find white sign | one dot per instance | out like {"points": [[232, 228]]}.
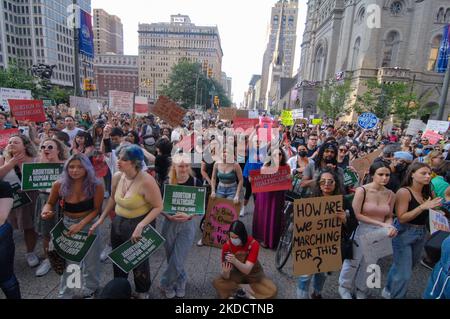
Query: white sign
{"points": [[415, 126], [82, 104], [13, 94], [253, 115], [376, 245], [438, 126], [438, 221], [297, 114], [121, 102]]}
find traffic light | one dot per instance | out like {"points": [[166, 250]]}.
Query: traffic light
{"points": [[88, 85], [210, 72], [205, 66], [216, 100]]}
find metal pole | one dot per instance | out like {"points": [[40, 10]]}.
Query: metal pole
{"points": [[444, 93], [76, 42], [196, 91]]}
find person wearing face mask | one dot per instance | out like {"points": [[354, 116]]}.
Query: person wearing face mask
{"points": [[351, 136], [399, 166], [298, 165], [241, 268]]}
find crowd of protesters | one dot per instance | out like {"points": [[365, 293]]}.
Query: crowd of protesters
{"points": [[116, 166]]}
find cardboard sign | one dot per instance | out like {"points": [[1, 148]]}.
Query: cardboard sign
{"points": [[129, 255], [415, 126], [121, 102], [28, 110], [13, 94], [243, 114], [227, 113], [244, 124], [219, 217], [5, 135], [317, 235], [437, 126], [141, 106], [438, 222], [73, 248], [279, 181], [169, 111], [184, 199], [40, 176], [20, 198], [362, 165], [432, 136]]}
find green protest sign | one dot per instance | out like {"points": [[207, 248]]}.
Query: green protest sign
{"points": [[184, 199], [129, 255], [48, 103], [20, 198], [73, 248], [350, 178], [39, 176]]}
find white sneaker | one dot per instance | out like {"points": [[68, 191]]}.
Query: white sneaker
{"points": [[169, 293], [105, 253], [345, 293], [386, 294], [180, 292], [32, 259], [44, 268], [242, 214], [200, 242], [360, 295], [302, 294]]}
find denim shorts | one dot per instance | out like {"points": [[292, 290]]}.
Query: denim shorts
{"points": [[228, 192]]}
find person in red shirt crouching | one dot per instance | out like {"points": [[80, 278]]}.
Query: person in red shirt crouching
{"points": [[241, 270]]}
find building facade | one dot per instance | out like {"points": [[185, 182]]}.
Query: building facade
{"points": [[37, 31], [108, 33], [388, 40], [163, 45], [116, 73], [251, 97], [227, 83], [278, 60]]}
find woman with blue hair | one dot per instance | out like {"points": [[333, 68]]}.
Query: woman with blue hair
{"points": [[137, 202], [81, 196]]}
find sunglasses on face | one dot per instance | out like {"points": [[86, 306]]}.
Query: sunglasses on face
{"points": [[326, 182], [48, 147], [343, 150]]}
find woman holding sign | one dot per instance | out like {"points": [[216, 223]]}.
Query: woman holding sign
{"points": [[52, 151], [80, 195], [373, 205], [21, 150], [328, 185], [179, 232], [136, 200], [414, 200]]}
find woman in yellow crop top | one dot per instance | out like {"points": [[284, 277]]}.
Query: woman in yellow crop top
{"points": [[137, 202]]}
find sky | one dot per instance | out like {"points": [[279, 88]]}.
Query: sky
{"points": [[242, 24]]}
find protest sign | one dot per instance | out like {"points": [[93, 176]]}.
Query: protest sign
{"points": [[121, 102], [73, 248], [287, 118], [82, 104], [437, 126], [227, 113], [367, 121], [20, 198], [415, 126], [281, 180], [246, 125], [220, 215], [362, 165], [141, 106], [376, 245], [129, 255], [317, 235], [243, 114], [28, 110], [13, 94], [184, 199], [297, 114], [432, 136], [350, 178], [438, 222], [48, 103], [316, 122], [5, 135], [169, 111], [40, 176], [253, 115]]}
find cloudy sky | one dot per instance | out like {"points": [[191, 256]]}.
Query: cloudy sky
{"points": [[242, 24]]}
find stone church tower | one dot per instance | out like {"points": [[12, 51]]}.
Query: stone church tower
{"points": [[391, 40]]}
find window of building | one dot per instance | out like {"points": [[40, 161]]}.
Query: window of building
{"points": [[356, 53], [440, 16], [391, 48], [396, 8], [320, 64], [434, 53]]}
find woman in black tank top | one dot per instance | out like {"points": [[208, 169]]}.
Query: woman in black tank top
{"points": [[413, 202]]}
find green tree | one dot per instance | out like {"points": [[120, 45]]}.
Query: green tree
{"points": [[333, 98], [188, 84]]}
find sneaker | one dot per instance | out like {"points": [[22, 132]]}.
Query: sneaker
{"points": [[345, 293], [427, 264], [360, 295], [200, 242], [302, 294], [242, 214], [168, 292], [105, 253], [386, 294], [44, 268], [32, 259], [180, 290]]}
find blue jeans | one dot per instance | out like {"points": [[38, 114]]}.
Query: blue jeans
{"points": [[8, 281], [318, 283], [226, 192], [179, 238], [408, 246]]}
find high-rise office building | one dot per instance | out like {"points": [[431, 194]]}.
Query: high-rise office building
{"points": [[163, 45], [108, 33], [33, 32]]}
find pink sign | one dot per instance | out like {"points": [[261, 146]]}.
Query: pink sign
{"points": [[5, 136], [432, 136]]}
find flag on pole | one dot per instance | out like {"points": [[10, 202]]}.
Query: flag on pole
{"points": [[444, 51], [86, 35]]}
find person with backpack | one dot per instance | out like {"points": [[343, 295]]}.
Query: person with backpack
{"points": [[150, 133], [373, 205], [439, 283]]}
